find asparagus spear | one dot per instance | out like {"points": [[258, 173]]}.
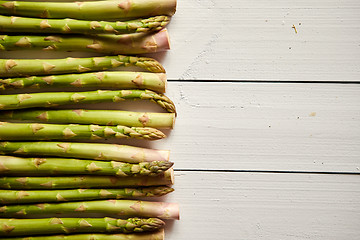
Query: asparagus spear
{"points": [[119, 80], [43, 226], [103, 117], [124, 44], [95, 10], [158, 235], [38, 25], [105, 208], [39, 131], [38, 183], [16, 166], [51, 99], [28, 67], [36, 196], [96, 151]]}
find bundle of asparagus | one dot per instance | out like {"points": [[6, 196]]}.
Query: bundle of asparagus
{"points": [[76, 190]]}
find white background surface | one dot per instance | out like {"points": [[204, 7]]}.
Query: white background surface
{"points": [[277, 156]]}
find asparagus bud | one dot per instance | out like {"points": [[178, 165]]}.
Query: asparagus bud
{"points": [[96, 151], [16, 166], [66, 26], [50, 99], [36, 131], [119, 80], [89, 10], [159, 235]]}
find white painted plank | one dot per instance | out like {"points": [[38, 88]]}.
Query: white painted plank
{"points": [[287, 127], [254, 40], [236, 206], [262, 126]]}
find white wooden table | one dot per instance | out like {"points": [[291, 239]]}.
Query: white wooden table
{"points": [[267, 140]]}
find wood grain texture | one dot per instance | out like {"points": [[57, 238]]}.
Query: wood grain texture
{"points": [[265, 126], [254, 40], [236, 206]]}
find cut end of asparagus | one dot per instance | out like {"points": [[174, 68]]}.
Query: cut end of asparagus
{"points": [[175, 211], [162, 40], [169, 174], [165, 154], [174, 119], [171, 211]]}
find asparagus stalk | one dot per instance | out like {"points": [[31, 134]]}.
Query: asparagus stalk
{"points": [[36, 196], [39, 131], [16, 166], [66, 26], [43, 226], [28, 67], [95, 10], [105, 208], [103, 117], [124, 44], [159, 235], [51, 99], [119, 80], [68, 182], [96, 151]]}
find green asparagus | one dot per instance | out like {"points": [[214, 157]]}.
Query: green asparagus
{"points": [[51, 99], [38, 25], [103, 117], [64, 182], [29, 67], [105, 208], [158, 235], [40, 131], [120, 80], [96, 151], [43, 226], [16, 166], [124, 44], [36, 196], [91, 10]]}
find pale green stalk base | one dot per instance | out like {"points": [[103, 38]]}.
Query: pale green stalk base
{"points": [[111, 45], [30, 67], [105, 208], [102, 117]]}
